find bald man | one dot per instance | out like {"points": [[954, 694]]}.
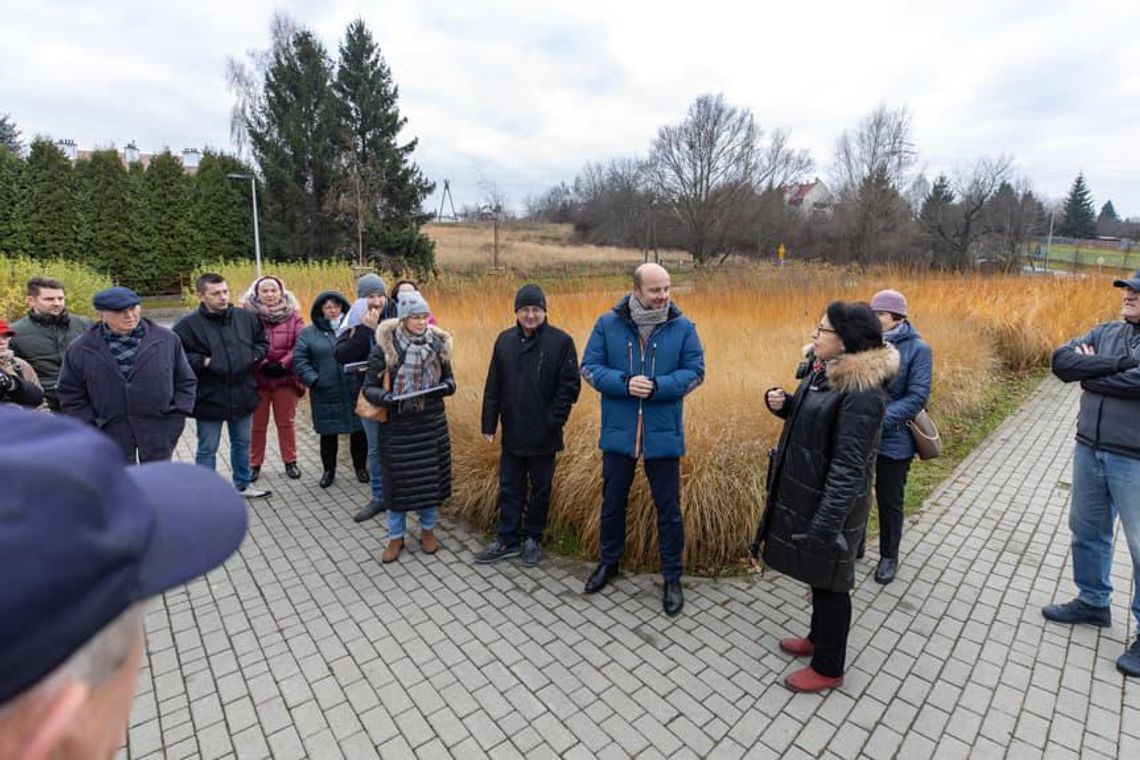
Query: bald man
{"points": [[644, 357]]}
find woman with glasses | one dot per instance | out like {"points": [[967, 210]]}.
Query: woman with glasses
{"points": [[820, 480], [409, 372], [910, 390]]}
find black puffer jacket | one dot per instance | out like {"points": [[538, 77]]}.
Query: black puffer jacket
{"points": [[820, 490], [234, 341], [415, 448], [532, 383]]}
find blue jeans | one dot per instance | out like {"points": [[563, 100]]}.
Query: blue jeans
{"points": [[398, 521], [1104, 486], [241, 437], [372, 433]]}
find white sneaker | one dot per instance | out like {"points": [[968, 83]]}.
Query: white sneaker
{"points": [[250, 492]]}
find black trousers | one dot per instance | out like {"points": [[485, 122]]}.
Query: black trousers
{"points": [[357, 446], [664, 477], [890, 494], [830, 623], [515, 475]]}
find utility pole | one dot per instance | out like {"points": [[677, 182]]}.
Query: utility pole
{"points": [[1049, 241], [256, 234]]}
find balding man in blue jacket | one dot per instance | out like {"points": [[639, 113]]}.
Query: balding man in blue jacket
{"points": [[644, 357]]}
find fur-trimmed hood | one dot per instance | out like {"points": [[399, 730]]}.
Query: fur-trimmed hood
{"points": [[863, 371], [386, 339]]}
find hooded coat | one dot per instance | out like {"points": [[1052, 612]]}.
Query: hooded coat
{"points": [[332, 399], [414, 445], [145, 409], [672, 358], [819, 489]]}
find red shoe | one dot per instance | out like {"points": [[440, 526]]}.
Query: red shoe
{"points": [[808, 680], [798, 647]]}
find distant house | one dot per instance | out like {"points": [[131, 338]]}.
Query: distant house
{"points": [[811, 198], [130, 155]]}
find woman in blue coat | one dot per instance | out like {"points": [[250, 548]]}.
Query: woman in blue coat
{"points": [[332, 400], [909, 392]]}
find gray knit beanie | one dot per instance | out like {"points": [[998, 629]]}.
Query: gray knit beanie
{"points": [[410, 304], [369, 284]]}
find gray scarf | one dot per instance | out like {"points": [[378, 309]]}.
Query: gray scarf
{"points": [[421, 368], [646, 319]]}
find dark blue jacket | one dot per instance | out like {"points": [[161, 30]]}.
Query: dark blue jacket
{"points": [[1109, 417], [333, 398], [145, 409], [672, 358], [910, 392]]}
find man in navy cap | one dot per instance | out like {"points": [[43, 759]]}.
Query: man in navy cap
{"points": [[1106, 465], [71, 620], [130, 378]]}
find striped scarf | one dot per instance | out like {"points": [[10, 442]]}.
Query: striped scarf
{"points": [[124, 347], [421, 368]]}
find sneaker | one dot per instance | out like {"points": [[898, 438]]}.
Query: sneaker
{"points": [[1077, 611], [1129, 662], [531, 553], [250, 492], [495, 552]]}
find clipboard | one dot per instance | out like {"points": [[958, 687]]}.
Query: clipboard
{"points": [[417, 394]]}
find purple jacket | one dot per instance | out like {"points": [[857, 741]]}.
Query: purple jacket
{"points": [[145, 409]]}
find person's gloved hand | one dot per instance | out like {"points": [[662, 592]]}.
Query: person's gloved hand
{"points": [[274, 369], [7, 382]]}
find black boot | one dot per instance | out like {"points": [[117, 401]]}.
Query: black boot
{"points": [[885, 572], [673, 599], [368, 511], [362, 475], [600, 577], [254, 473], [292, 470], [328, 478]]}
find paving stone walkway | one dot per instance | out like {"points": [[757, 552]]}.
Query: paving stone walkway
{"points": [[304, 645]]}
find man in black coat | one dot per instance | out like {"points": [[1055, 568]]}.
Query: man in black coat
{"points": [[531, 385], [223, 344], [128, 377]]}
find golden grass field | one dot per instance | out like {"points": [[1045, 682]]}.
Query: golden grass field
{"points": [[752, 319], [753, 322]]}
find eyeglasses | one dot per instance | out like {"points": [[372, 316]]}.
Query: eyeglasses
{"points": [[820, 330]]}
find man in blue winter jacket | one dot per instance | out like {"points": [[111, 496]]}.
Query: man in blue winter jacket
{"points": [[644, 357], [1106, 465]]}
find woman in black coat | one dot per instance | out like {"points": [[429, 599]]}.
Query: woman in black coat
{"points": [[820, 480], [331, 399], [415, 449]]}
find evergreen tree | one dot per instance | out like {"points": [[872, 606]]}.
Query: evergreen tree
{"points": [[171, 257], [1108, 213], [937, 219], [104, 216], [221, 223], [140, 229], [13, 241], [9, 135], [48, 207], [1079, 212], [294, 138], [380, 196]]}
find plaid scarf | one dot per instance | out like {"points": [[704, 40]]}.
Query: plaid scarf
{"points": [[124, 347], [645, 318], [421, 367]]}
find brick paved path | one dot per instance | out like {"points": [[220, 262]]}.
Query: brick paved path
{"points": [[303, 645]]}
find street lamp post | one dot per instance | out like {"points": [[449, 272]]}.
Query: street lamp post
{"points": [[256, 234]]}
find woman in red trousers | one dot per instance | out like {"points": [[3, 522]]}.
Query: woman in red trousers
{"points": [[278, 386]]}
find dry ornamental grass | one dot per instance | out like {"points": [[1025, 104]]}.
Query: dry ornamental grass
{"points": [[752, 322]]}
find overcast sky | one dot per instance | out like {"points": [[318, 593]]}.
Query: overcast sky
{"points": [[521, 93]]}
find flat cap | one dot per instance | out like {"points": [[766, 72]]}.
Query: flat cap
{"points": [[116, 298]]}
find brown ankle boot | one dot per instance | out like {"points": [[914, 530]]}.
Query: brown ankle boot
{"points": [[428, 542], [392, 550]]}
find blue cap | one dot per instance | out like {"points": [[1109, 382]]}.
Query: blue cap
{"points": [[1133, 283], [83, 536], [115, 298]]}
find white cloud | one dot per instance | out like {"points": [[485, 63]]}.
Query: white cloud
{"points": [[523, 93]]}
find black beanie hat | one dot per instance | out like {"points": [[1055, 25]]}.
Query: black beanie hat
{"points": [[856, 325], [530, 295]]}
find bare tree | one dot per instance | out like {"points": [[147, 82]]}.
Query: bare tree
{"points": [[881, 145], [962, 223], [707, 170], [246, 79]]}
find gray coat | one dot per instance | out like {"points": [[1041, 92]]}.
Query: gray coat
{"points": [[1109, 416], [145, 410]]}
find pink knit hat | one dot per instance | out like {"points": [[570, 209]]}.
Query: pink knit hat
{"points": [[889, 300]]}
